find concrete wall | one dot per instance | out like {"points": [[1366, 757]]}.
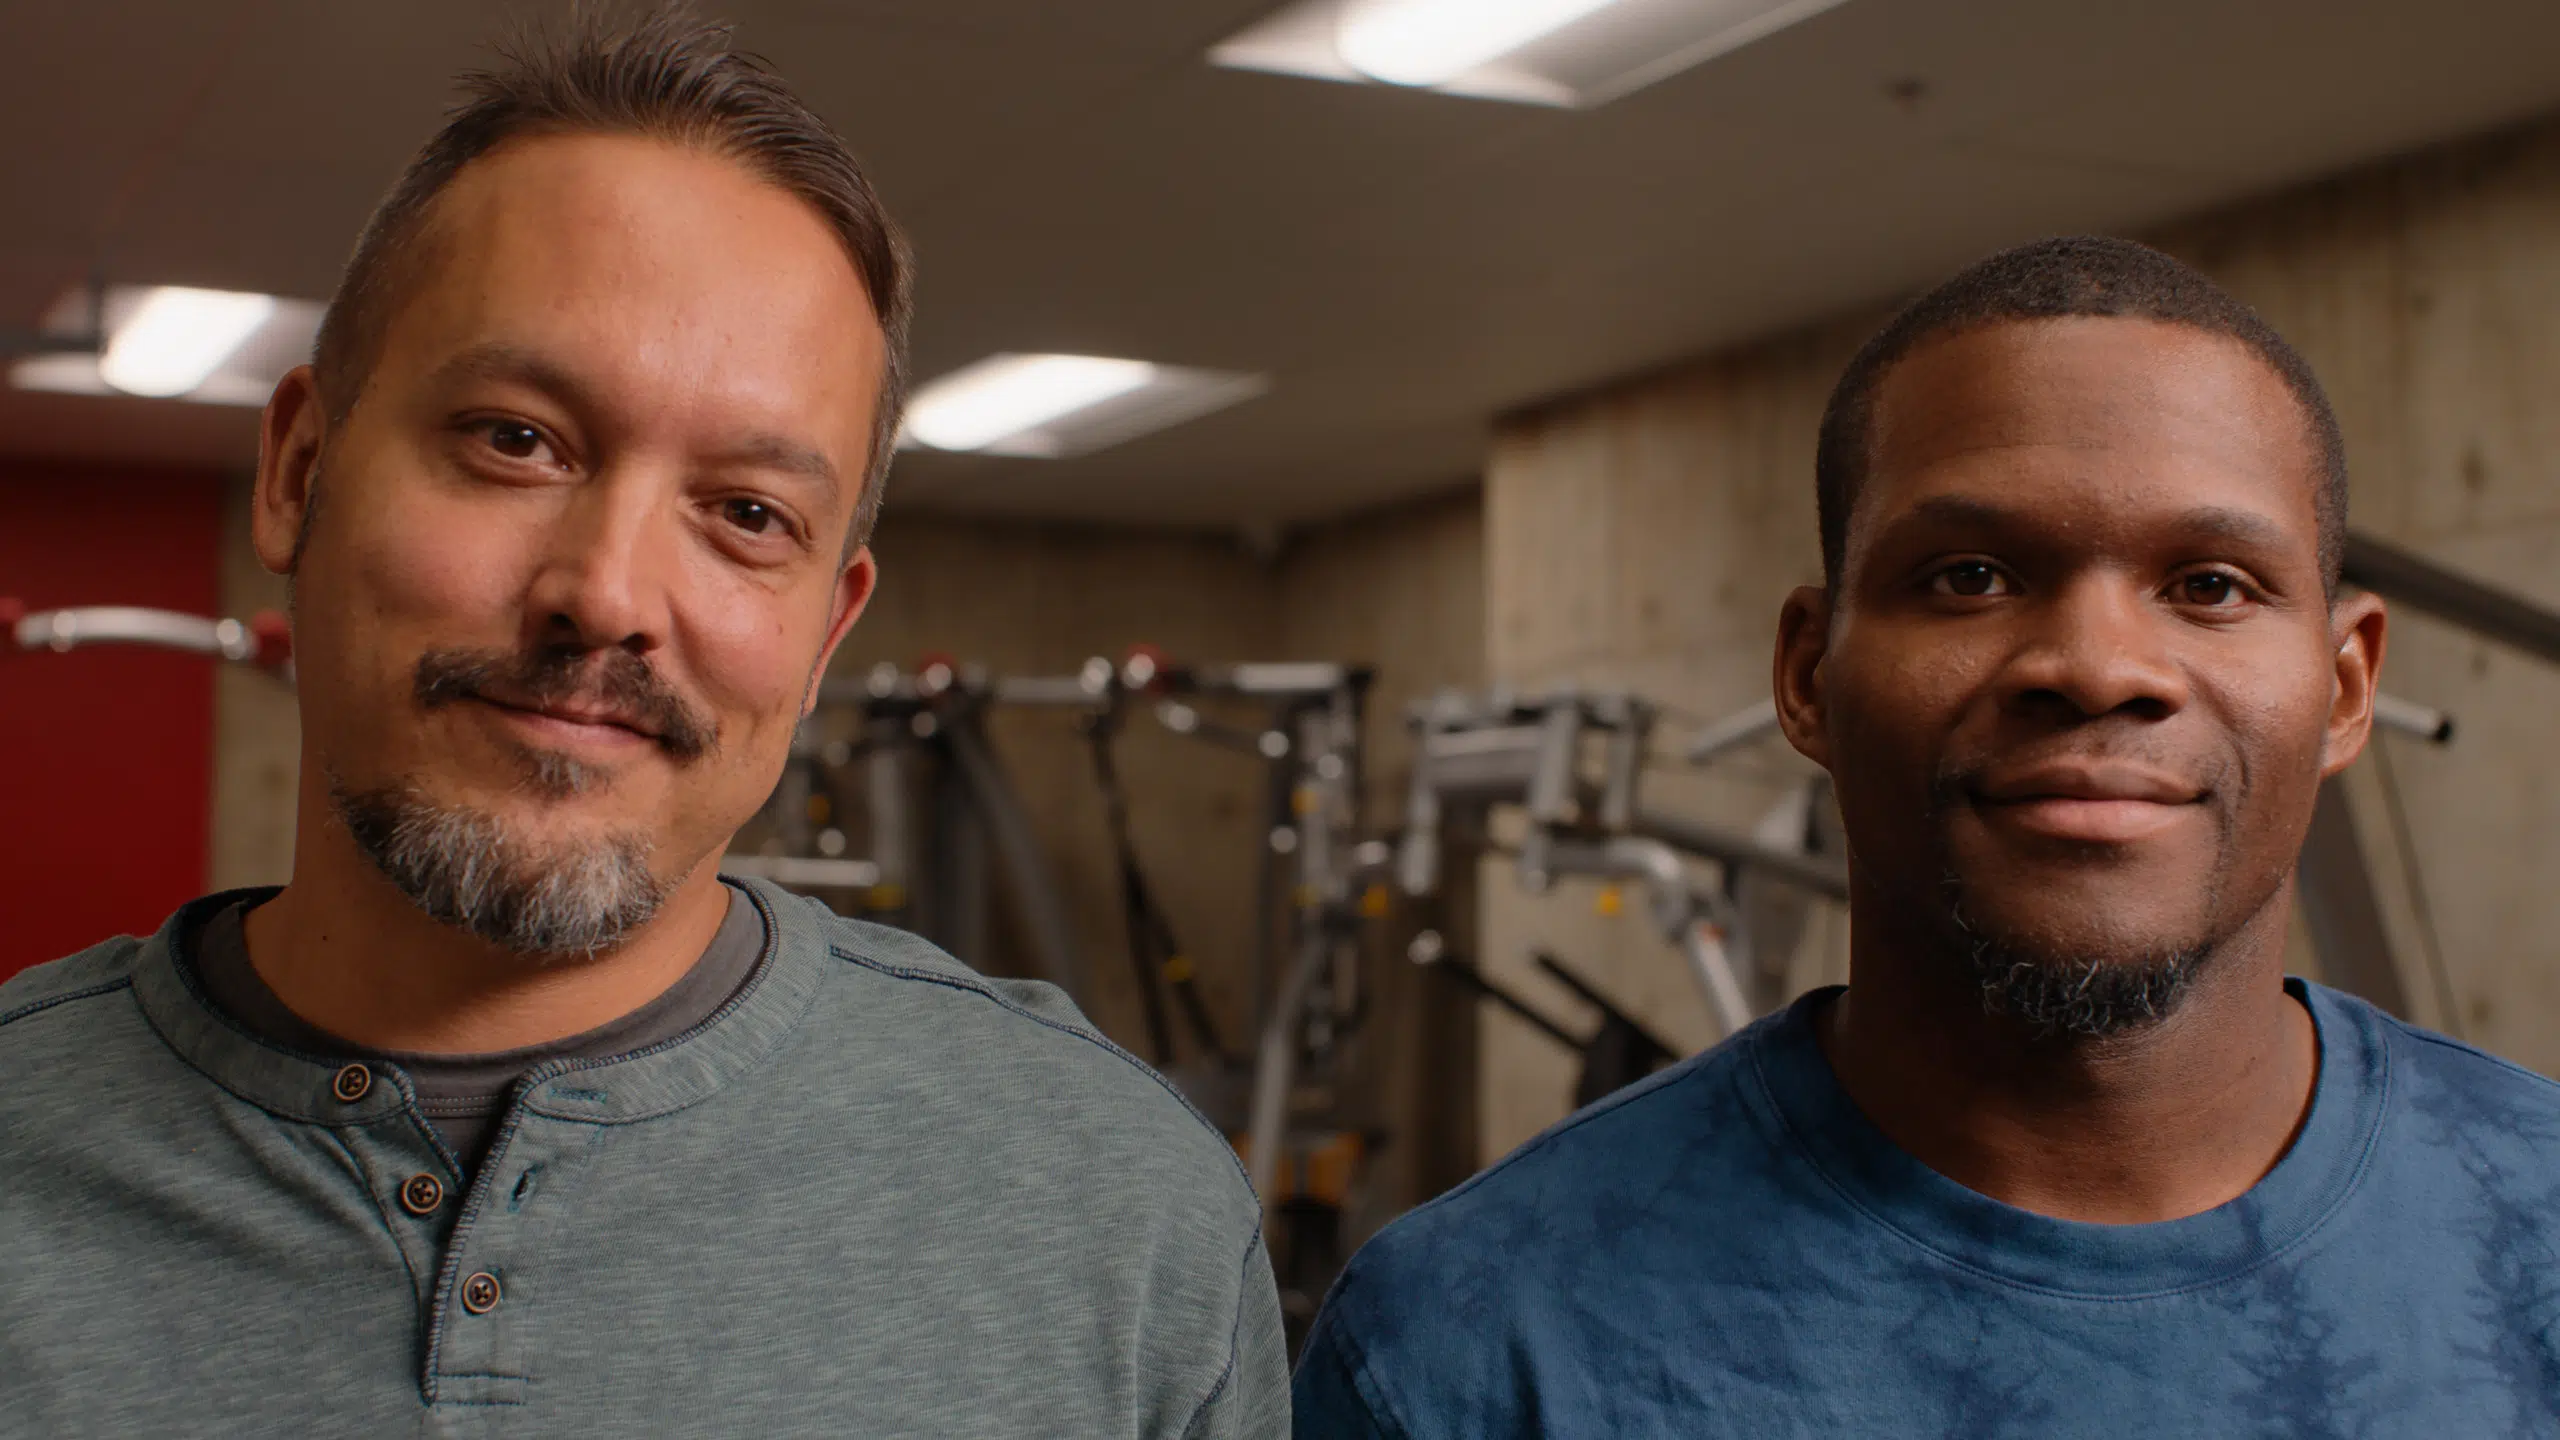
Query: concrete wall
{"points": [[1644, 537]]}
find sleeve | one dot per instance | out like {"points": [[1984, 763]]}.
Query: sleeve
{"points": [[1253, 1402], [1327, 1393]]}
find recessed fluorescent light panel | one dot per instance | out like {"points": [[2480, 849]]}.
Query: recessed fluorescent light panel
{"points": [[1051, 407], [215, 347], [1570, 53]]}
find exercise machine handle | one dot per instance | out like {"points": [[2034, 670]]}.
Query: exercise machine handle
{"points": [[264, 639]]}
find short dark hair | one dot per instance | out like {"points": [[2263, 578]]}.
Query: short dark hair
{"points": [[2077, 275], [663, 75]]}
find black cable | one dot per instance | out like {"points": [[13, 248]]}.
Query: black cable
{"points": [[1154, 951], [1133, 909]]}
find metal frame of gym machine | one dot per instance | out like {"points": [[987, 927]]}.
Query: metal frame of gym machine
{"points": [[931, 867], [2340, 902], [1475, 753]]}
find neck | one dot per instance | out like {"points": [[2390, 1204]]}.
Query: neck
{"points": [[2169, 1121], [346, 951]]}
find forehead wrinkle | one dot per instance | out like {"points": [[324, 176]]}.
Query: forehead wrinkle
{"points": [[507, 362]]}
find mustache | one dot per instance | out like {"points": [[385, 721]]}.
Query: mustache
{"points": [[613, 680]]}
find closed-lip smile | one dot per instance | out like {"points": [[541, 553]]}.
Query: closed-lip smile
{"points": [[2096, 802], [591, 717]]}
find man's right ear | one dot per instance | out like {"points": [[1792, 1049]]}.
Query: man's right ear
{"points": [[1804, 637], [289, 440]]}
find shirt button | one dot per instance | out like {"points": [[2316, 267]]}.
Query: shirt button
{"points": [[351, 1083], [480, 1293], [422, 1194]]}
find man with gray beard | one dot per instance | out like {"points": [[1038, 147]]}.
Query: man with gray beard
{"points": [[508, 1114], [2070, 1155]]}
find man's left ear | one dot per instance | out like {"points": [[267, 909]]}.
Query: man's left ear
{"points": [[854, 584], [2358, 623]]}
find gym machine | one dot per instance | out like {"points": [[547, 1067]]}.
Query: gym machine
{"points": [[1475, 753], [1317, 895], [1321, 897], [945, 827], [1617, 1053]]}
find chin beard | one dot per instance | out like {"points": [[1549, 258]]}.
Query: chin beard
{"points": [[2070, 994], [461, 867], [2081, 997]]}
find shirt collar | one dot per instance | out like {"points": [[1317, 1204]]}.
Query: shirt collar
{"points": [[652, 1081], [2315, 1175]]}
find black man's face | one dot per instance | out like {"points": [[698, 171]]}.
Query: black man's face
{"points": [[2081, 680]]}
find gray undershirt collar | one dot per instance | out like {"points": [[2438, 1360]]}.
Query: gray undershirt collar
{"points": [[463, 1095]]}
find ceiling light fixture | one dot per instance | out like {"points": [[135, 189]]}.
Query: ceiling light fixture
{"points": [[1570, 53], [211, 347], [1431, 42], [179, 336], [1005, 395], [1053, 406]]}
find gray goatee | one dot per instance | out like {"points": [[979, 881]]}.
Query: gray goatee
{"points": [[461, 867]]}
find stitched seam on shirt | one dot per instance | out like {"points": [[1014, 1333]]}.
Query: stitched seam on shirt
{"points": [[32, 1007], [1365, 1383], [953, 982], [2447, 1042], [330, 1139], [449, 1268], [1235, 1337], [766, 960], [484, 1375], [2319, 1222]]}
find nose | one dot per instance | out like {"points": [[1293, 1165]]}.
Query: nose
{"points": [[608, 567], [2096, 646]]}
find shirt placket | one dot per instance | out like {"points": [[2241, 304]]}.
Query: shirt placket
{"points": [[482, 1316]]}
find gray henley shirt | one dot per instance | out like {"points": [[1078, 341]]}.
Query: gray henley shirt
{"points": [[872, 1194]]}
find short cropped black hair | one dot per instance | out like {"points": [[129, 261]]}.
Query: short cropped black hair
{"points": [[2074, 275]]}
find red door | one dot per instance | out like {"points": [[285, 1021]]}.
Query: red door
{"points": [[106, 756]]}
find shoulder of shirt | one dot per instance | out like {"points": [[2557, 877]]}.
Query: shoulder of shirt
{"points": [[2441, 1055], [101, 970], [1036, 1018], [1563, 1153]]}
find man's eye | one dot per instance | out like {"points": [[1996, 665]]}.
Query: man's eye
{"points": [[753, 516], [512, 438], [2210, 588], [1970, 579]]}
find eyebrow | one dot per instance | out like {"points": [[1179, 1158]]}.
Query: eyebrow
{"points": [[2241, 529], [515, 364], [773, 452]]}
